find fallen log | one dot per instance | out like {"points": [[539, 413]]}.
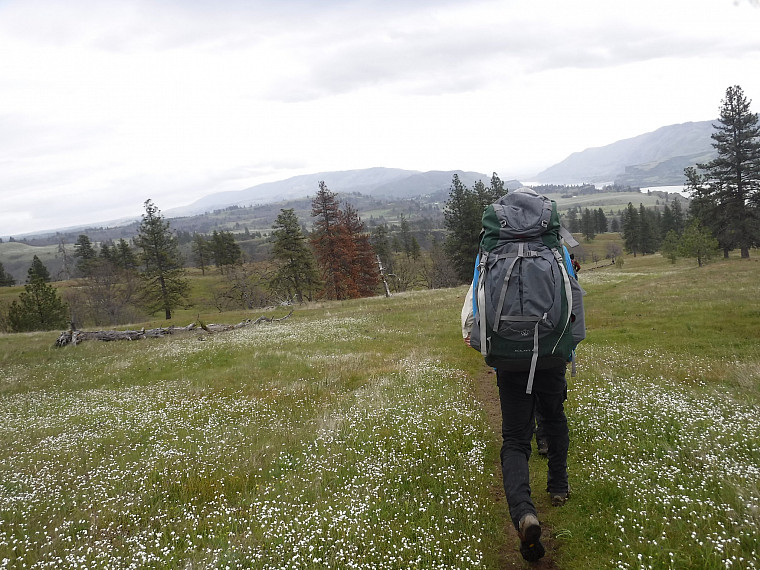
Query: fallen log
{"points": [[74, 337]]}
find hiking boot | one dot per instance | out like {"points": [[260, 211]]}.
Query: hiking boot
{"points": [[530, 533], [543, 447], [559, 499]]}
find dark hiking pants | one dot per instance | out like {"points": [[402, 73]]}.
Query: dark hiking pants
{"points": [[518, 420]]}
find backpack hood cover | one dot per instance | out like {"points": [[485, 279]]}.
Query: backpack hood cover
{"points": [[520, 215]]}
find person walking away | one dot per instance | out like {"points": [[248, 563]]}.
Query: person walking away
{"points": [[513, 248]]}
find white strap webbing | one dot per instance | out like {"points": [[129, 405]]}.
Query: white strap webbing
{"points": [[534, 360], [568, 237]]}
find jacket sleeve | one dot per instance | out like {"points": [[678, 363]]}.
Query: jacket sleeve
{"points": [[467, 317]]}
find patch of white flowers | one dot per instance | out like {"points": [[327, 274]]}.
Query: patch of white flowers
{"points": [[684, 457], [178, 474]]}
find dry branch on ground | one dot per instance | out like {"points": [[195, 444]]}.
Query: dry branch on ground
{"points": [[73, 336]]}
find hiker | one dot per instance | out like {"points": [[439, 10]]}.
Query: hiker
{"points": [[527, 384], [576, 265]]}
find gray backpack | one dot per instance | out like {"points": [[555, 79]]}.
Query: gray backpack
{"points": [[528, 309]]}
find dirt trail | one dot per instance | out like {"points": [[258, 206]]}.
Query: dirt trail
{"points": [[487, 394]]}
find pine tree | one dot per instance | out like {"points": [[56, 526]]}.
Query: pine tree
{"points": [[6, 279], [698, 242], [201, 250], [225, 250], [85, 254], [406, 236], [497, 188], [679, 218], [631, 229], [39, 307], [671, 246], [165, 286], [726, 194], [573, 224], [487, 195], [342, 248], [364, 271], [600, 221], [463, 218], [296, 275], [381, 245], [37, 271], [588, 225], [124, 256], [331, 243]]}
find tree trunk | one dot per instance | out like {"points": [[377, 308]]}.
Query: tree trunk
{"points": [[75, 337], [745, 253]]}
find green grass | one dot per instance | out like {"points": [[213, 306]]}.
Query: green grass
{"points": [[664, 419], [349, 436]]}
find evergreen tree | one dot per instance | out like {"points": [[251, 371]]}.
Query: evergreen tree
{"points": [[463, 218], [6, 279], [165, 286], [588, 225], [37, 271], [85, 254], [296, 275], [699, 243], [331, 243], [646, 231], [668, 223], [124, 256], [108, 252], [679, 217], [225, 250], [727, 192], [414, 249], [342, 248], [201, 250], [497, 188], [406, 236], [487, 195], [671, 246], [600, 221], [573, 224], [39, 307], [631, 229], [381, 245], [365, 274]]}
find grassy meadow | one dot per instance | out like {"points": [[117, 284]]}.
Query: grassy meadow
{"points": [[351, 435]]}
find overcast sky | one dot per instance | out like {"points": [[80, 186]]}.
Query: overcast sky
{"points": [[104, 104]]}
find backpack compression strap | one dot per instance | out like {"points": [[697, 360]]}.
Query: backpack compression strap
{"points": [[569, 297], [522, 252]]}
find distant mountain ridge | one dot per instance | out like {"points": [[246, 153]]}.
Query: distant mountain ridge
{"points": [[378, 181], [653, 159], [657, 158]]}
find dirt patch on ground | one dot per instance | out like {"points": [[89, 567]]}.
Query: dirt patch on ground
{"points": [[486, 392]]}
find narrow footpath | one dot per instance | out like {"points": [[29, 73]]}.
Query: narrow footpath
{"points": [[486, 392]]}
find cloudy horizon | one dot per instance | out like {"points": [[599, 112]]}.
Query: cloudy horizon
{"points": [[107, 104]]}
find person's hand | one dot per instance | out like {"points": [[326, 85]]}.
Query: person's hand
{"points": [[467, 340]]}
